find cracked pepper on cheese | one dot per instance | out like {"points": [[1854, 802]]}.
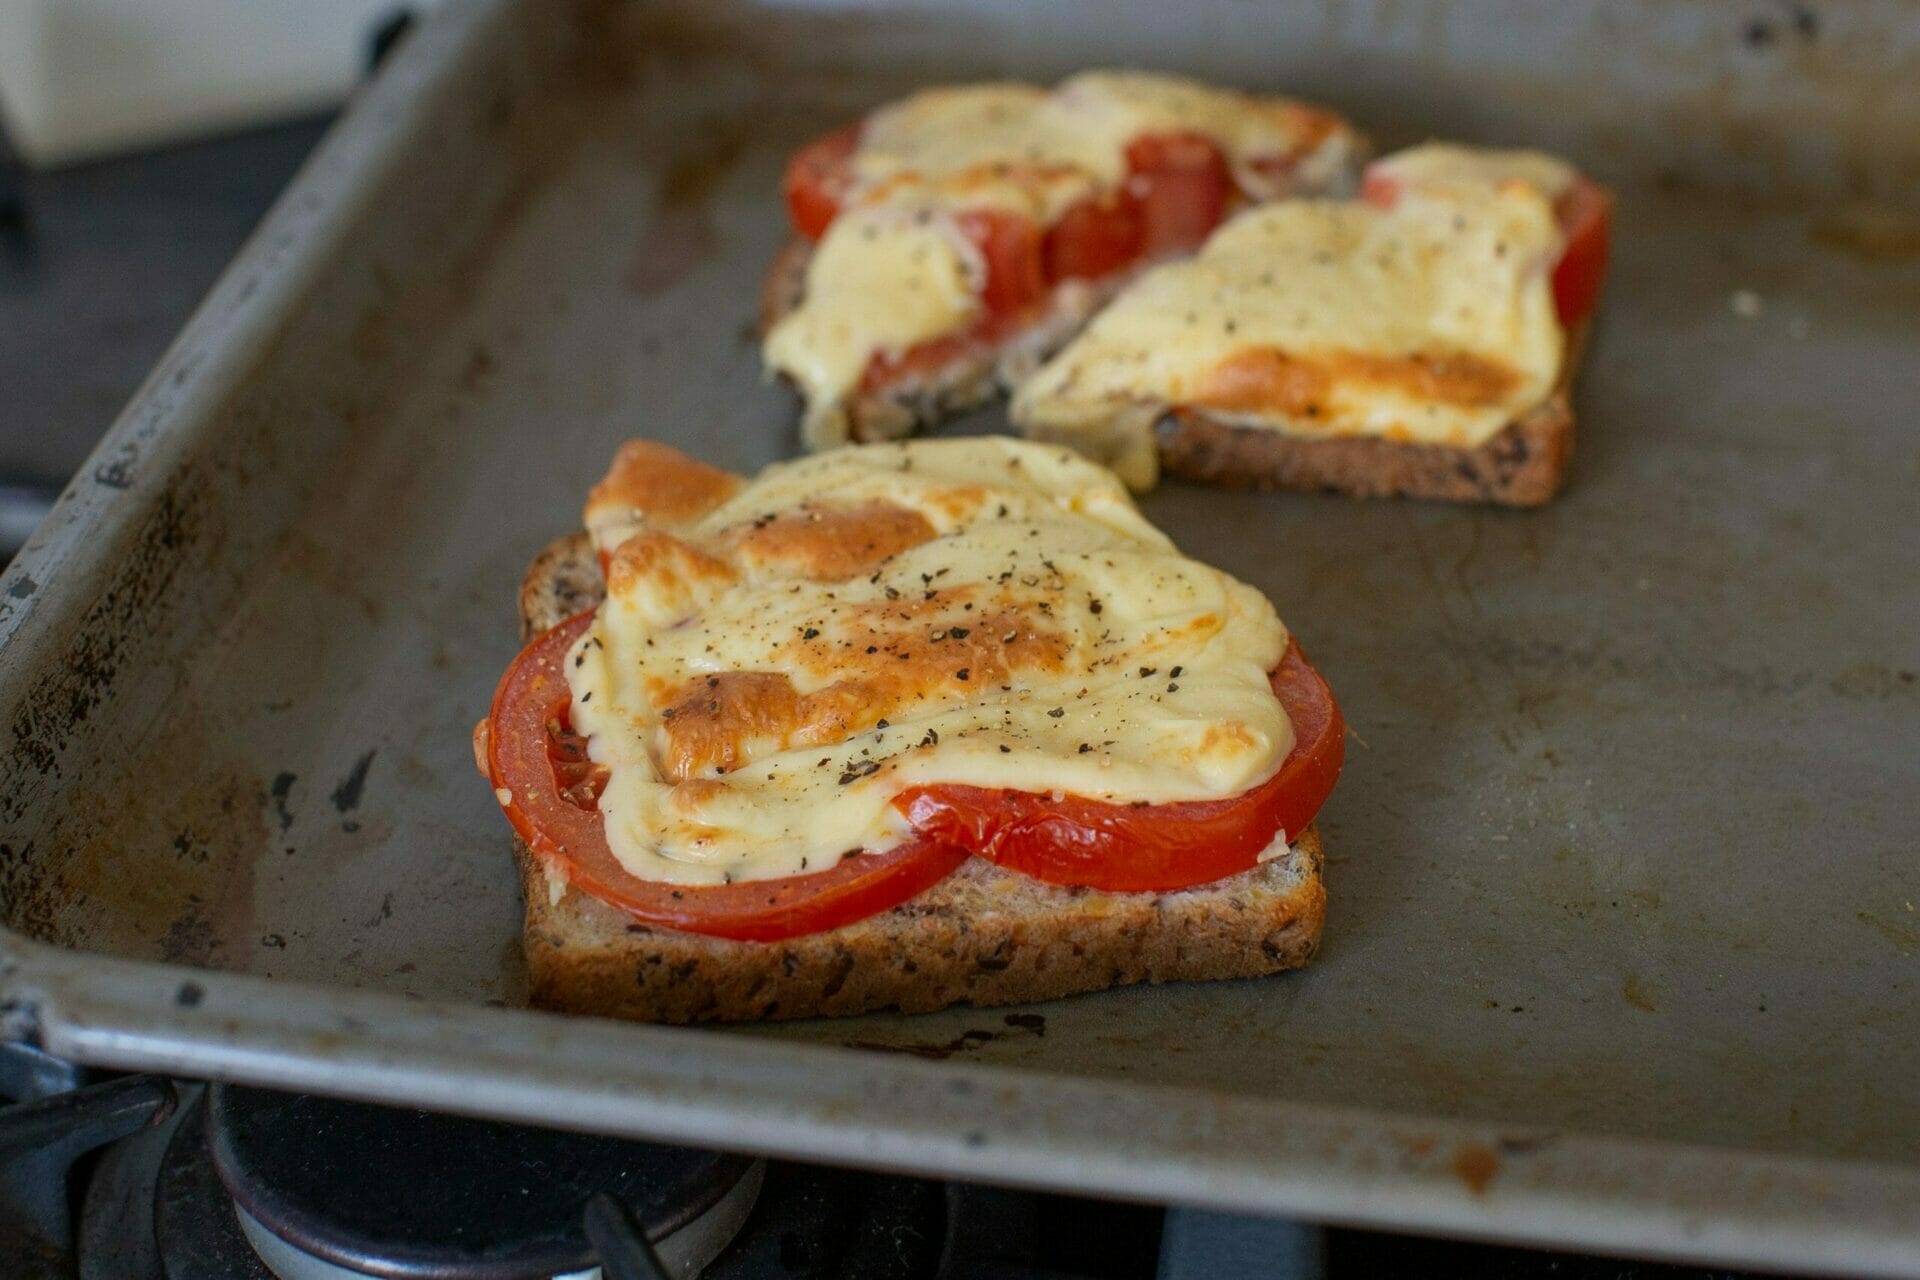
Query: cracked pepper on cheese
{"points": [[1431, 321], [777, 658]]}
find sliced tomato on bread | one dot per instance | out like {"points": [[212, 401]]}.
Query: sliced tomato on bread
{"points": [[547, 790], [1585, 214], [538, 777], [1073, 840]]}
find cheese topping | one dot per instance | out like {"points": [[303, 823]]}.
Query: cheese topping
{"points": [[765, 676], [1431, 321], [880, 280], [1444, 164], [894, 270], [1035, 152]]}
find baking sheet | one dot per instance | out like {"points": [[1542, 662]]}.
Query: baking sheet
{"points": [[1624, 853]]}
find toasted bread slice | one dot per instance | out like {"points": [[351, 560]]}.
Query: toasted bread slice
{"points": [[981, 936], [1522, 466]]}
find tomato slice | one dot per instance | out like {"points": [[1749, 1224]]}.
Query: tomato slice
{"points": [[1138, 848], [1095, 238], [1011, 246], [1585, 214], [817, 180], [1183, 187], [533, 754], [1015, 286]]}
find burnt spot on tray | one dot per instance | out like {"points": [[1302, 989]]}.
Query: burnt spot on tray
{"points": [[280, 791], [189, 995], [346, 796], [109, 637]]}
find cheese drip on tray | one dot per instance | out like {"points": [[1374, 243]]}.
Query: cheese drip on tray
{"points": [[766, 676]]}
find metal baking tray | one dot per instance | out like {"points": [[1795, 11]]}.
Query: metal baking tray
{"points": [[1623, 948]]}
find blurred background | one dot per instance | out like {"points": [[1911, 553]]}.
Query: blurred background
{"points": [[140, 142]]}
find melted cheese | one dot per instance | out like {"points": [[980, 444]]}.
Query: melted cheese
{"points": [[893, 270], [1432, 321], [1438, 165], [1035, 152], [766, 676], [880, 281]]}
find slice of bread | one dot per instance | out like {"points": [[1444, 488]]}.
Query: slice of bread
{"points": [[1523, 465], [982, 936]]}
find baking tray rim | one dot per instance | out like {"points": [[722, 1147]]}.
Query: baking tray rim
{"points": [[975, 1121]]}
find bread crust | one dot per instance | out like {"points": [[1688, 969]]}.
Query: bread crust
{"points": [[982, 936], [1522, 466]]}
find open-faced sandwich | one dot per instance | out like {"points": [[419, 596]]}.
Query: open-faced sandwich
{"points": [[899, 725], [1420, 340], [948, 242]]}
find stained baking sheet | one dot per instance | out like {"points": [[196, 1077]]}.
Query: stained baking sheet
{"points": [[1623, 943]]}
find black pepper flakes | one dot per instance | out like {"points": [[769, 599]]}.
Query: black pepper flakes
{"points": [[1057, 712], [964, 673], [810, 633], [859, 769]]}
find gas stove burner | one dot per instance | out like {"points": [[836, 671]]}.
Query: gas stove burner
{"points": [[342, 1190]]}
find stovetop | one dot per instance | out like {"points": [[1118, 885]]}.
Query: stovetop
{"points": [[144, 1178]]}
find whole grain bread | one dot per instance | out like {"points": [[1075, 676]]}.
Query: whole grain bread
{"points": [[981, 936], [1522, 466]]}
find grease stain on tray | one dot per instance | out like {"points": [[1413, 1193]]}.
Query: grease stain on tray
{"points": [[680, 234], [1637, 993], [1871, 232], [1904, 939]]}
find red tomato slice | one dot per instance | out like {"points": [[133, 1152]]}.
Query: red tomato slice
{"points": [[1011, 246], [1139, 848], [532, 752], [1095, 238], [1585, 214], [1183, 186], [817, 180]]}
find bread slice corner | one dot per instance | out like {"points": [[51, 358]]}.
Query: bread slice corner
{"points": [[1523, 465], [982, 936]]}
